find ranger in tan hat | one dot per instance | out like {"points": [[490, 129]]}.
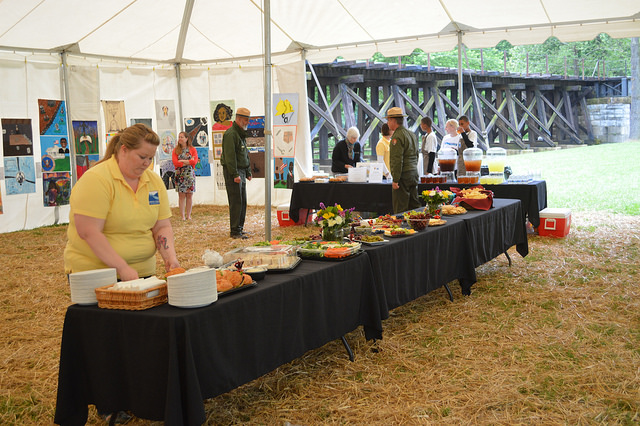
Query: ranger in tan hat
{"points": [[237, 170], [403, 153]]}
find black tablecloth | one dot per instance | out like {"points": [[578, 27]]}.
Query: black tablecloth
{"points": [[533, 195], [376, 197], [163, 362], [492, 232], [367, 197], [412, 266]]}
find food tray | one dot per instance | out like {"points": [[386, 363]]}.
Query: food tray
{"points": [[237, 289], [131, 300], [289, 268], [369, 243], [333, 259]]}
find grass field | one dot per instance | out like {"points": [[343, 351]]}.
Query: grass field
{"points": [[599, 177], [554, 339]]}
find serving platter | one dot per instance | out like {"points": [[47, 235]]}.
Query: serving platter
{"points": [[237, 289]]}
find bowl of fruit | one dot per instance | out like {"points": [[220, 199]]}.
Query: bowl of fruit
{"points": [[418, 220]]}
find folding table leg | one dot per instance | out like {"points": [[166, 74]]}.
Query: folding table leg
{"points": [[446, 286], [348, 348], [508, 258]]}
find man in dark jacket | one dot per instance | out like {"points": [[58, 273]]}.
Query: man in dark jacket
{"points": [[237, 170], [403, 153]]}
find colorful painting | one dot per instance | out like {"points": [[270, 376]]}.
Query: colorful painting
{"points": [[84, 163], [168, 142], [203, 168], [52, 117], [19, 175], [283, 172], [284, 141], [85, 136], [56, 189], [1, 209], [255, 134], [17, 137], [114, 116], [55, 154], [285, 109], [222, 114], [198, 131]]}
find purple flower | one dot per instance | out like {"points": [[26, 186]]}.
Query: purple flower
{"points": [[322, 206]]}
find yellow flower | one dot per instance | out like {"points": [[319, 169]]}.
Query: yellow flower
{"points": [[328, 215], [339, 207]]}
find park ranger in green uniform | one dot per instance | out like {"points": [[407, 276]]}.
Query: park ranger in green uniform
{"points": [[237, 170], [403, 153]]}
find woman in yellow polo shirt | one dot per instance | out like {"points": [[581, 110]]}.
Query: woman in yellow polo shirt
{"points": [[120, 211]]}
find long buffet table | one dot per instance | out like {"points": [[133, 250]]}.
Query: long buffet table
{"points": [[163, 362], [376, 197]]}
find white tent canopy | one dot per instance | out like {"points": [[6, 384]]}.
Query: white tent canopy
{"points": [[211, 30], [145, 50]]}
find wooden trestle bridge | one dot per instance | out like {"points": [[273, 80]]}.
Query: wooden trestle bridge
{"points": [[513, 111]]}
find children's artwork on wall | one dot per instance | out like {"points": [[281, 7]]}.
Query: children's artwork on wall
{"points": [[1, 209], [52, 117], [84, 163], [85, 136], [168, 173], [56, 188], [256, 161], [217, 152], [255, 131], [222, 114], [285, 109], [284, 141], [17, 137], [198, 131], [203, 168], [165, 115], [114, 116], [145, 121], [283, 172], [19, 175], [167, 144], [219, 175], [55, 154]]}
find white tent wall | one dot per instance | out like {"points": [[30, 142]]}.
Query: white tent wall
{"points": [[139, 85]]}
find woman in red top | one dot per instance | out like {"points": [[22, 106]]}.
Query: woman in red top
{"points": [[185, 158]]}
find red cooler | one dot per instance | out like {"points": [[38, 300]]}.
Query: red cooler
{"points": [[282, 212], [554, 222]]}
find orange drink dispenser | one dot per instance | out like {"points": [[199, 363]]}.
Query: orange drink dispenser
{"points": [[447, 158], [472, 159]]}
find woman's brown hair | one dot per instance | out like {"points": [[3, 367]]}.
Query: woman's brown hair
{"points": [[132, 138], [178, 148]]}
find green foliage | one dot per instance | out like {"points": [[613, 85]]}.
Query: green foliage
{"points": [[548, 57]]}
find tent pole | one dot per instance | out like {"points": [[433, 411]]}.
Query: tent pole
{"points": [[267, 120], [72, 145], [460, 92], [179, 81]]}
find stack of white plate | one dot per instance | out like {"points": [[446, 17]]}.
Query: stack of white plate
{"points": [[193, 289], [83, 284]]}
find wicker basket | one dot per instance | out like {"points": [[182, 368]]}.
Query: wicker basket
{"points": [[131, 300]]}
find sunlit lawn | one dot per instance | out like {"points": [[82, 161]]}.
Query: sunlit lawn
{"points": [[600, 177]]}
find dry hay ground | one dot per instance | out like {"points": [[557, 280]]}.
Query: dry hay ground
{"points": [[553, 339]]}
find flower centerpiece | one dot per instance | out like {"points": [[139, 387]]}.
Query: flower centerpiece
{"points": [[435, 198], [333, 220]]}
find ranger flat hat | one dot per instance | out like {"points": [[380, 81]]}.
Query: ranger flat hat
{"points": [[395, 112], [243, 112]]}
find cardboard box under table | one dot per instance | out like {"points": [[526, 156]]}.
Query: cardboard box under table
{"points": [[554, 222]]}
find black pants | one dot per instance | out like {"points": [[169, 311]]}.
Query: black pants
{"points": [[237, 197]]}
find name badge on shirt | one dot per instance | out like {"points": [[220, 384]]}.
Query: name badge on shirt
{"points": [[154, 198]]}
